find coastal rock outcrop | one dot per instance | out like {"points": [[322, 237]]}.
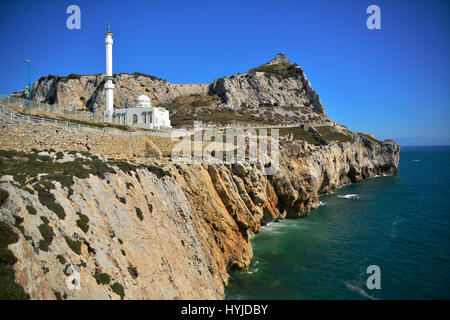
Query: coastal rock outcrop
{"points": [[160, 230]]}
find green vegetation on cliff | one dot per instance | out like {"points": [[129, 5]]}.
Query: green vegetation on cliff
{"points": [[9, 288], [280, 71]]}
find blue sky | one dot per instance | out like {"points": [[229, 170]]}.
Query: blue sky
{"points": [[392, 82]]}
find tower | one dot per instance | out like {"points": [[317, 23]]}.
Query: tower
{"points": [[109, 86]]}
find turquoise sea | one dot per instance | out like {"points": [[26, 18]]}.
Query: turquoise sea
{"points": [[400, 223]]}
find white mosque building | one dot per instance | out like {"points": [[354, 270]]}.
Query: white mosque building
{"points": [[143, 114]]}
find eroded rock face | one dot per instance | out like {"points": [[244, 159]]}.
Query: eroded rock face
{"points": [[78, 91], [276, 83], [247, 90], [195, 222]]}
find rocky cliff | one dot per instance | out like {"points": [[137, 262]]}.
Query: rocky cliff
{"points": [[276, 83], [154, 229], [99, 216], [272, 92], [78, 91]]}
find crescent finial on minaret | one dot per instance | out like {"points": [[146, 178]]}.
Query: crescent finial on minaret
{"points": [[108, 28]]}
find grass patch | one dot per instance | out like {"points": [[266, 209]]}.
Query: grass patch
{"points": [[159, 172], [280, 71], [370, 138], [300, 134]]}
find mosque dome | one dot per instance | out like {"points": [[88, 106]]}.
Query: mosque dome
{"points": [[143, 102]]}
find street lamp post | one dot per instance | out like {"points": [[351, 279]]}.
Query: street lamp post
{"points": [[29, 84]]}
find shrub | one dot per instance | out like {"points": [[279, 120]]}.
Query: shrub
{"points": [[47, 235], [48, 185], [46, 232], [3, 196], [139, 213], [9, 289], [118, 289], [29, 190], [7, 236], [280, 71], [133, 272], [48, 200], [82, 223], [100, 168], [159, 172], [7, 257], [75, 245], [61, 259], [102, 278], [122, 199], [125, 166], [43, 245]]}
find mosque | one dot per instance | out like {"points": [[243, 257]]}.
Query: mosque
{"points": [[143, 114]]}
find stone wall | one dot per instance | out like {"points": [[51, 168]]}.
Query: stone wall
{"points": [[24, 136]]}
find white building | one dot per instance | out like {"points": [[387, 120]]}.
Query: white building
{"points": [[143, 114]]}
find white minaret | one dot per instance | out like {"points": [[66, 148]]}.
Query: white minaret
{"points": [[109, 86]]}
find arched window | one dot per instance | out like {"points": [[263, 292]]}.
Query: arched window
{"points": [[144, 117], [135, 118]]}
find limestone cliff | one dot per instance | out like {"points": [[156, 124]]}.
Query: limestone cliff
{"points": [[276, 91], [78, 91], [154, 229], [276, 83]]}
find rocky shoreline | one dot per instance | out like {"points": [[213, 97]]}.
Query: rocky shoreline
{"points": [[161, 230]]}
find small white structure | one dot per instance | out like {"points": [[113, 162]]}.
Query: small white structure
{"points": [[143, 115]]}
